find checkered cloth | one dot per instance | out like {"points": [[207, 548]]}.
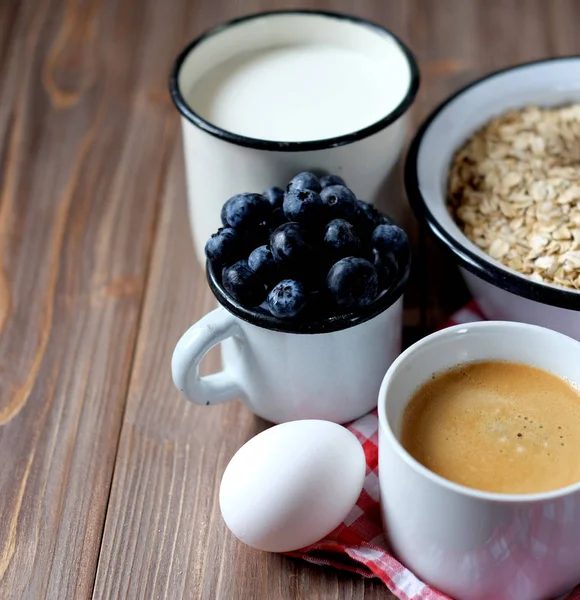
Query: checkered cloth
{"points": [[358, 544]]}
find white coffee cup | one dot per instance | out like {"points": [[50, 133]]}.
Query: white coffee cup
{"points": [[329, 369], [470, 544], [360, 145]]}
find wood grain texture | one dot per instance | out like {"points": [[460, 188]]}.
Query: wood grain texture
{"points": [[109, 479], [77, 221], [164, 537]]}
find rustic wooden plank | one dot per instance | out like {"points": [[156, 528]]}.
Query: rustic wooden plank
{"points": [[87, 133], [80, 178], [164, 536]]}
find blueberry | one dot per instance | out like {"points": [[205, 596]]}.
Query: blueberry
{"points": [[224, 246], [352, 282], [302, 206], [245, 211], [369, 217], [339, 202], [275, 196], [391, 239], [277, 218], [289, 244], [262, 263], [329, 180], [258, 236], [243, 285], [304, 181], [340, 239], [287, 298], [387, 268]]}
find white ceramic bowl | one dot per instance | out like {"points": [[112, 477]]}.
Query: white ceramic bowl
{"points": [[501, 293]]}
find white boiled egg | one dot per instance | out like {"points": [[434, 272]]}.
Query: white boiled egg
{"points": [[291, 485]]}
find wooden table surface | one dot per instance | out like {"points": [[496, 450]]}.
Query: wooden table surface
{"points": [[108, 478]]}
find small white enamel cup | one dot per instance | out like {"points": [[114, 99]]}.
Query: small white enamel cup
{"points": [[469, 544], [221, 163], [283, 371]]}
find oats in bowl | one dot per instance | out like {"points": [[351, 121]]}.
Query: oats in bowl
{"points": [[514, 190]]}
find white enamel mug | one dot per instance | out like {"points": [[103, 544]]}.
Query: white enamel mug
{"points": [[469, 544], [221, 161], [329, 369]]}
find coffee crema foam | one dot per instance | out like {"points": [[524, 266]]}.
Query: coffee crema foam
{"points": [[496, 426]]}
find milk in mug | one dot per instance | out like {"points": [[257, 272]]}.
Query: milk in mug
{"points": [[267, 96], [299, 93]]}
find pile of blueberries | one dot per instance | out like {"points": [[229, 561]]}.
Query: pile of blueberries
{"points": [[312, 249]]}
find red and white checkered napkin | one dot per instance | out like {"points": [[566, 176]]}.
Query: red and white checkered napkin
{"points": [[358, 544]]}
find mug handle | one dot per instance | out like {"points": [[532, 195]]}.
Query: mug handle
{"points": [[194, 344]]}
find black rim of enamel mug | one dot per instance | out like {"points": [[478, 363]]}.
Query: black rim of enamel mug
{"points": [[324, 325], [258, 144], [481, 267]]}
